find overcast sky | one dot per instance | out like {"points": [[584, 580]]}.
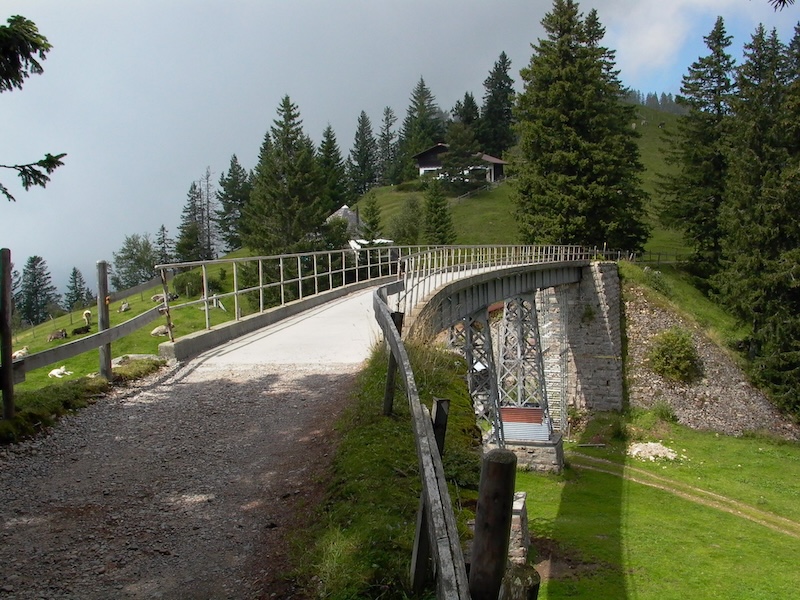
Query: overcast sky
{"points": [[144, 95]]}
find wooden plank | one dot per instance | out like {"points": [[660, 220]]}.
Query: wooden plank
{"points": [[6, 350]]}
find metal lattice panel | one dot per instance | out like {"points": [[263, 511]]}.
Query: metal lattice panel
{"points": [[482, 375], [521, 378]]}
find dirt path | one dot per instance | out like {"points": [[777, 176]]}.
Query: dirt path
{"points": [[688, 492]]}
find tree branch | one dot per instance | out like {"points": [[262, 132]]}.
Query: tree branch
{"points": [[35, 173]]}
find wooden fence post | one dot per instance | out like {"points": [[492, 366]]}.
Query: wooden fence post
{"points": [[6, 348], [388, 394], [492, 524], [103, 320], [421, 554]]}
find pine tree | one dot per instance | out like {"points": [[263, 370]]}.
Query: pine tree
{"points": [[387, 166], [134, 263], [37, 293], [208, 211], [371, 228], [578, 169], [191, 243], [691, 195], [164, 246], [422, 128], [75, 296], [334, 174], [405, 226], [285, 206], [439, 229], [495, 130], [761, 242], [466, 111], [234, 191], [363, 162]]}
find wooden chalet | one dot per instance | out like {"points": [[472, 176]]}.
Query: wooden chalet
{"points": [[429, 161]]}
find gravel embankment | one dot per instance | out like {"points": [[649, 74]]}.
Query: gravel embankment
{"points": [[722, 400]]}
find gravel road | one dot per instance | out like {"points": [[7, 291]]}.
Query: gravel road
{"points": [[184, 485]]}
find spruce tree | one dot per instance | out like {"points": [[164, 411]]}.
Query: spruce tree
{"points": [[495, 130], [232, 195], [285, 206], [761, 242], [37, 293], [466, 111], [387, 167], [75, 296], [362, 167], [334, 174], [692, 193], [191, 242], [578, 166], [422, 128], [371, 228], [164, 246], [439, 229]]}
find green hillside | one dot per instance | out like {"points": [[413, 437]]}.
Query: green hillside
{"points": [[488, 217]]}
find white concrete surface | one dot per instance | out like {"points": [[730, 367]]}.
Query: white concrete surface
{"points": [[343, 331]]}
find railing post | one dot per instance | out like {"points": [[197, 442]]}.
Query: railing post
{"points": [[421, 555], [165, 287], [6, 345], [205, 295], [492, 524], [103, 320], [236, 291], [388, 394], [260, 285]]}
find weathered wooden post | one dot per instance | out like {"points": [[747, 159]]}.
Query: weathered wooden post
{"points": [[421, 554], [103, 320], [388, 394], [492, 524], [6, 349]]}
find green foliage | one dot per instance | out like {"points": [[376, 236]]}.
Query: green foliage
{"points": [[234, 190], [577, 168], [21, 48], [459, 158], [656, 280], [134, 263], [495, 128], [286, 204], [438, 220], [405, 226], [692, 193], [37, 291], [362, 167], [190, 283], [422, 128], [371, 227], [335, 192], [674, 356]]}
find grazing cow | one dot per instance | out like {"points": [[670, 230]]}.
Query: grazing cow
{"points": [[59, 372], [87, 317], [661, 125], [21, 353], [80, 330], [158, 298], [160, 330], [173, 296], [124, 307], [58, 334]]}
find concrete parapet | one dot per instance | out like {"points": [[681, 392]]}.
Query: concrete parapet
{"points": [[188, 346]]}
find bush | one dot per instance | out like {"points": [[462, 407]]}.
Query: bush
{"points": [[673, 355], [656, 280], [190, 284]]}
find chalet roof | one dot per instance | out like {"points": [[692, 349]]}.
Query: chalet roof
{"points": [[439, 148], [345, 213]]}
